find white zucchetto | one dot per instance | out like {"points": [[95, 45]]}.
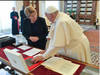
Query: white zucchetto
{"points": [[51, 9]]}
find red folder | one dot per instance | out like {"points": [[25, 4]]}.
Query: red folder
{"points": [[34, 65]]}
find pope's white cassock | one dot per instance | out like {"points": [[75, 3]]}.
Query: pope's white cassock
{"points": [[67, 38]]}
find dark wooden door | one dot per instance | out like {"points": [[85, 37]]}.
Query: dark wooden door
{"points": [[87, 12]]}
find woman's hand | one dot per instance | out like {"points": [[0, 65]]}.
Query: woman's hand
{"points": [[38, 58], [34, 38]]}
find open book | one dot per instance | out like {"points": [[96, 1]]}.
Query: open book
{"points": [[61, 65]]}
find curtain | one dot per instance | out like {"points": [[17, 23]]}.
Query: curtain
{"points": [[5, 21]]}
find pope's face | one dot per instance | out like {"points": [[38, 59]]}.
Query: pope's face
{"points": [[33, 17], [51, 17]]}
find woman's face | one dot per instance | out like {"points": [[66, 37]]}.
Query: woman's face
{"points": [[33, 17]]}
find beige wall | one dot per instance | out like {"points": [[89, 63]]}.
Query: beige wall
{"points": [[19, 5], [41, 8]]}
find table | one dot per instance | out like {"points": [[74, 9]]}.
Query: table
{"points": [[41, 70]]}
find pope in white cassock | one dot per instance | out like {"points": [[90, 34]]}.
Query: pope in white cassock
{"points": [[66, 38]]}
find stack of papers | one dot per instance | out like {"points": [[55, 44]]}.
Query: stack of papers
{"points": [[24, 47], [32, 52], [15, 50], [61, 65]]}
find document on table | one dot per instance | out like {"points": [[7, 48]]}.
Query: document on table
{"points": [[24, 47], [15, 50], [32, 52], [61, 65]]}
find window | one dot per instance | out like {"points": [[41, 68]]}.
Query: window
{"points": [[5, 21]]}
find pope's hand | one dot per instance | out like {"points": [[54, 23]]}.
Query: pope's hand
{"points": [[42, 52], [37, 58]]}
